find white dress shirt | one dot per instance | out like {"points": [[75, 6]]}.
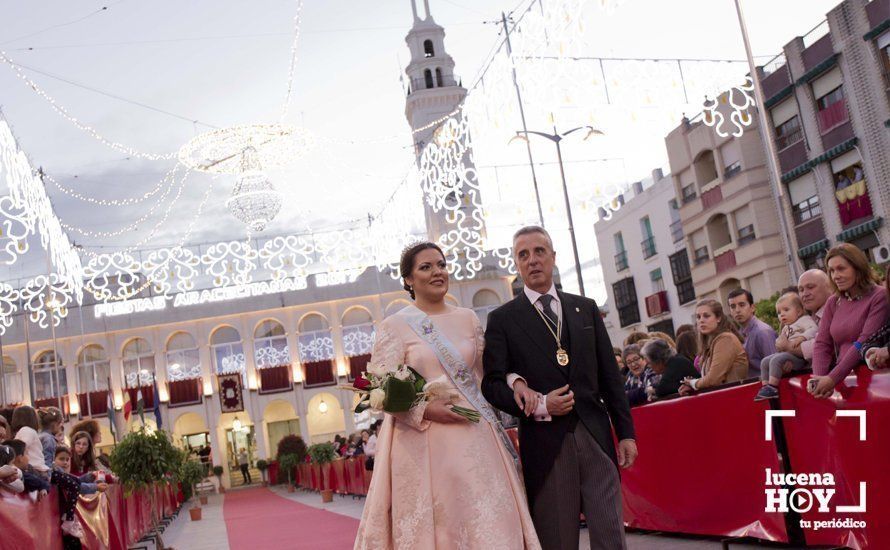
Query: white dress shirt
{"points": [[533, 296]]}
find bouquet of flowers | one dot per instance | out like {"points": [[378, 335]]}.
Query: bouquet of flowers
{"points": [[398, 389]]}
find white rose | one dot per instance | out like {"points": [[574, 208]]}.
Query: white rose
{"points": [[378, 369], [402, 373], [378, 396]]}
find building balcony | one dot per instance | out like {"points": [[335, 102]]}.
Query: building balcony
{"points": [[809, 232], [838, 135], [677, 231], [775, 82], [621, 261], [725, 261], [877, 12], [94, 403], [648, 246], [433, 82], [700, 255], [275, 379], [817, 52], [60, 402], [185, 392], [657, 303], [712, 197], [792, 155], [832, 116]]}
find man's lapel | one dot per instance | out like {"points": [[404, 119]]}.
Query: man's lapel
{"points": [[571, 316], [530, 321]]}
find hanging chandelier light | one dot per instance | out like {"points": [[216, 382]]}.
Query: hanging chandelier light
{"points": [[254, 200]]}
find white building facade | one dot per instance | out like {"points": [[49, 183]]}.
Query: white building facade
{"points": [[644, 261]]}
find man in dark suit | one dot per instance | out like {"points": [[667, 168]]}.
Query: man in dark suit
{"points": [[548, 361]]}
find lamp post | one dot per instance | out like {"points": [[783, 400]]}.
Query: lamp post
{"points": [[556, 137]]}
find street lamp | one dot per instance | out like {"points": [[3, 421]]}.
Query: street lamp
{"points": [[556, 137]]}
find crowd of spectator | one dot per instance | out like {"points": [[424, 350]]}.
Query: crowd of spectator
{"points": [[35, 456], [833, 321]]}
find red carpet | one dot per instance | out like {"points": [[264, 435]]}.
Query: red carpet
{"points": [[258, 519]]}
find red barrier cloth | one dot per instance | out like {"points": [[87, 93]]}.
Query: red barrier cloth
{"points": [[273, 473], [28, 526], [821, 442], [701, 467], [275, 378]]}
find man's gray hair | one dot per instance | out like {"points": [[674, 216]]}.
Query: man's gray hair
{"points": [[658, 351], [529, 229]]}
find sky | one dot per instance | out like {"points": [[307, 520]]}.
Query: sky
{"points": [[116, 64]]}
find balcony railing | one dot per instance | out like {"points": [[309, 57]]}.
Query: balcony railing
{"points": [[725, 261], [677, 231], [832, 116], [657, 303], [648, 247], [792, 156], [701, 255], [689, 194], [275, 379], [94, 403], [621, 261], [417, 84], [185, 392], [712, 197], [819, 51]]}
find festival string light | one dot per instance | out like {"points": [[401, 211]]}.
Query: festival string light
{"points": [[135, 224], [61, 111], [739, 99], [293, 60], [165, 181]]}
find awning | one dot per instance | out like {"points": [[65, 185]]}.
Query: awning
{"points": [[812, 249], [857, 231], [817, 70], [835, 151]]}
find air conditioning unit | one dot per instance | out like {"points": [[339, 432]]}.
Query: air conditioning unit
{"points": [[881, 253]]}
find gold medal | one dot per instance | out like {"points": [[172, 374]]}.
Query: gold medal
{"points": [[562, 357]]}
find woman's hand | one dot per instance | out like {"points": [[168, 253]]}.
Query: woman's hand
{"points": [[439, 410], [822, 388], [525, 397], [101, 487], [878, 357]]}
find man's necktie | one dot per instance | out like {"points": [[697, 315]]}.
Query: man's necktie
{"points": [[545, 300]]}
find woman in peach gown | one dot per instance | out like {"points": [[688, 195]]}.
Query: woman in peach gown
{"points": [[440, 481]]}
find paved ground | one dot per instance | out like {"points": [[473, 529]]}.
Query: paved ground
{"points": [[210, 532]]}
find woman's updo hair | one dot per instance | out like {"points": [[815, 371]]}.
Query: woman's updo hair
{"points": [[406, 264]]}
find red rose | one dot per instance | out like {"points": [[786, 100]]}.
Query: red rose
{"points": [[361, 383]]}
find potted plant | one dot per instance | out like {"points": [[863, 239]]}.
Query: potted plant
{"points": [[288, 462], [290, 445], [323, 454], [190, 474], [262, 466], [218, 472], [143, 458]]}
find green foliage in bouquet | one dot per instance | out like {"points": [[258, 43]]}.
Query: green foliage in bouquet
{"points": [[262, 465], [218, 471], [292, 444], [322, 453], [141, 459], [191, 473], [287, 462]]}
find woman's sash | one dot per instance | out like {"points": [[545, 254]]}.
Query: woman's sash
{"points": [[458, 371]]}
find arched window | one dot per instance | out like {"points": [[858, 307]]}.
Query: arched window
{"points": [[183, 358], [12, 383], [705, 168], [228, 353], [358, 340], [139, 363], [272, 356], [50, 380], [428, 48], [93, 369], [93, 374], [270, 345], [718, 232], [428, 78], [484, 302], [316, 350], [439, 82]]}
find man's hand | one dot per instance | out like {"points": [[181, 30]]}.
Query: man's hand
{"points": [[525, 397], [822, 388], [560, 401], [439, 410], [627, 452], [101, 487]]}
